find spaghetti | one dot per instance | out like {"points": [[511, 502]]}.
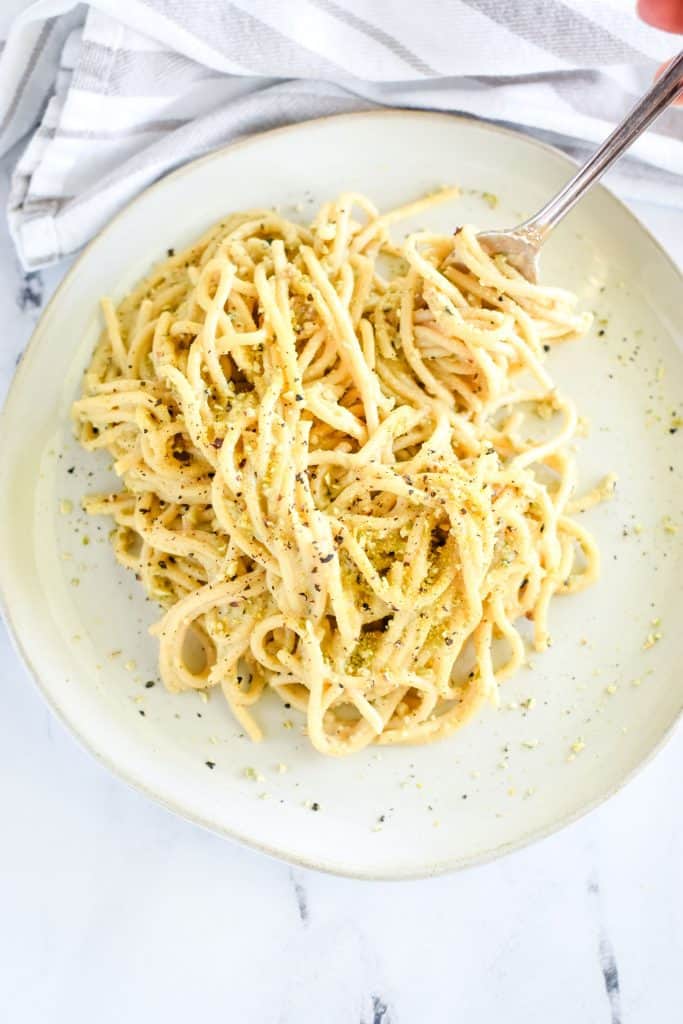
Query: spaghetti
{"points": [[346, 486]]}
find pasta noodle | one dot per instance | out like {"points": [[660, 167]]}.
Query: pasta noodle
{"points": [[346, 472]]}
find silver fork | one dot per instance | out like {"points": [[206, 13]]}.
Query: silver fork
{"points": [[522, 245]]}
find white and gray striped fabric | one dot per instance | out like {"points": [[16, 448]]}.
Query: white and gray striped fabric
{"points": [[114, 94]]}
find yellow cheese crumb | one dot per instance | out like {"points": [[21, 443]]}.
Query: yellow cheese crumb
{"points": [[611, 689], [650, 640], [578, 746], [66, 507]]}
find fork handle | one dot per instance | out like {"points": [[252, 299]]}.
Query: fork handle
{"points": [[653, 103]]}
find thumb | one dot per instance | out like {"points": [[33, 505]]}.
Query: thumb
{"points": [[664, 14]]}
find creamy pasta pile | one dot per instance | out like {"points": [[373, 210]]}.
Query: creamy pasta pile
{"points": [[345, 473]]}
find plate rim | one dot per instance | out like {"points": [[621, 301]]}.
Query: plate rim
{"points": [[426, 870]]}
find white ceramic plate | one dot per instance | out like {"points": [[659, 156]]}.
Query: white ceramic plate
{"points": [[508, 777]]}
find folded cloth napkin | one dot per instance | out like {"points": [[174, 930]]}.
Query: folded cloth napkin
{"points": [[112, 95]]}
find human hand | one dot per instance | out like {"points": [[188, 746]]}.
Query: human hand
{"points": [[664, 14]]}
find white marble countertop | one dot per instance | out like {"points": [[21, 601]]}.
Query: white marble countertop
{"points": [[114, 910]]}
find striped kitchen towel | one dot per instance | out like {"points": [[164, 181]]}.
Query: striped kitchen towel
{"points": [[109, 96]]}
